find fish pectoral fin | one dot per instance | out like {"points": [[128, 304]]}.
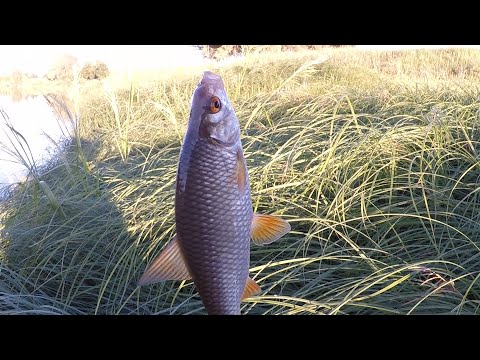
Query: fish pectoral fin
{"points": [[168, 265], [241, 172], [266, 229], [251, 289]]}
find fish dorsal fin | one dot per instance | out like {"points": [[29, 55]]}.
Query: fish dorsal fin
{"points": [[168, 265], [266, 229], [251, 289]]}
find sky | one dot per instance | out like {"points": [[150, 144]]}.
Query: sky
{"points": [[38, 59]]}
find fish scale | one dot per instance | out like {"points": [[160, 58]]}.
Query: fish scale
{"points": [[213, 220]]}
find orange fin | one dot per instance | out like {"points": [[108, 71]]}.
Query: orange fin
{"points": [[168, 265], [251, 289], [266, 229], [241, 171]]}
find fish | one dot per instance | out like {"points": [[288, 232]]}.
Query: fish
{"points": [[214, 219]]}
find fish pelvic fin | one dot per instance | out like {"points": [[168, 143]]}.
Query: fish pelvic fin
{"points": [[168, 265], [251, 289], [266, 229]]}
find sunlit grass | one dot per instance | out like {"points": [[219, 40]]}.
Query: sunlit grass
{"points": [[373, 159]]}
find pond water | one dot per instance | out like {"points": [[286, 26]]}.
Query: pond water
{"points": [[37, 122]]}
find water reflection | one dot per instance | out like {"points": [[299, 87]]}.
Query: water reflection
{"points": [[35, 119]]}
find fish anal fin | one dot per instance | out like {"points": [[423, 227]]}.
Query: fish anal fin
{"points": [[251, 289], [168, 265], [266, 229]]}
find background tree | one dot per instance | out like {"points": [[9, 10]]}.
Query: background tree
{"points": [[63, 68], [97, 71], [101, 70]]}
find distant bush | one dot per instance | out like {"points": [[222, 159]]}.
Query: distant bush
{"points": [[97, 71], [223, 51], [101, 70], [219, 51], [88, 71], [17, 77], [63, 68]]}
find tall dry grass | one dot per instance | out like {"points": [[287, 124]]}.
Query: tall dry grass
{"points": [[372, 157]]}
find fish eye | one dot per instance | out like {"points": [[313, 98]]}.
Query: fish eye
{"points": [[215, 104]]}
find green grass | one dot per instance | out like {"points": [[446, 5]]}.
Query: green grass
{"points": [[373, 158]]}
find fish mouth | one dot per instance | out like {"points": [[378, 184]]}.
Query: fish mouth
{"points": [[211, 82], [209, 76]]}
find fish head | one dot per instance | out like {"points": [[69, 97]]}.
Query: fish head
{"points": [[212, 116]]}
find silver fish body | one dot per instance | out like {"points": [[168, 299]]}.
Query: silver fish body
{"points": [[213, 216], [213, 209]]}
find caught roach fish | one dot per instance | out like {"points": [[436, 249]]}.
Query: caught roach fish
{"points": [[213, 210]]}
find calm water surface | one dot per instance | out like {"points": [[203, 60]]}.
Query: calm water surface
{"points": [[36, 121]]}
